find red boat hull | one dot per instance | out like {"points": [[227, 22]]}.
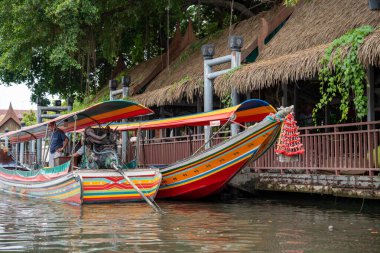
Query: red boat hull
{"points": [[207, 173], [204, 187]]}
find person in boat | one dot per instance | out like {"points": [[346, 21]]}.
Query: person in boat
{"points": [[79, 152], [58, 143]]}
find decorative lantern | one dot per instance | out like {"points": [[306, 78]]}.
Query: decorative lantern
{"points": [[289, 146]]}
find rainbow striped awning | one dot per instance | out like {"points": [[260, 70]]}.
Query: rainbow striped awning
{"points": [[95, 115], [252, 110]]}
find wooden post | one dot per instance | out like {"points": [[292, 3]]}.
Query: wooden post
{"points": [[295, 98], [284, 99], [309, 154], [336, 147], [371, 113], [371, 93], [199, 109]]}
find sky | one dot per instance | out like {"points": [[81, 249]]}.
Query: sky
{"points": [[18, 94]]}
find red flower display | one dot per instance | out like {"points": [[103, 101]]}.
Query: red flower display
{"points": [[289, 143]]}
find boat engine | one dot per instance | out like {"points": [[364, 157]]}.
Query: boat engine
{"points": [[100, 148]]}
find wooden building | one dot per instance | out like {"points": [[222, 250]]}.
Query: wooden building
{"points": [[290, 62], [181, 83], [9, 121], [281, 54]]}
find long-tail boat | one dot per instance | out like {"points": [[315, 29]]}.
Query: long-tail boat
{"points": [[106, 181], [206, 173]]}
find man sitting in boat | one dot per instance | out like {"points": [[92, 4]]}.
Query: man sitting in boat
{"points": [[58, 143]]}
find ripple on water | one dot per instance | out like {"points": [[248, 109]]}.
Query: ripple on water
{"points": [[241, 226]]}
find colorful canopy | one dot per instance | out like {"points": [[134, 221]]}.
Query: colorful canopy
{"points": [[97, 114], [252, 110]]}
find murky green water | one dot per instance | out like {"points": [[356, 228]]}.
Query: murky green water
{"points": [[245, 225]]}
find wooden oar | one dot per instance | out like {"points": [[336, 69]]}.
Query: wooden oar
{"points": [[151, 203]]}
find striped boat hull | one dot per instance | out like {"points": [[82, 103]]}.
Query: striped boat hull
{"points": [[207, 173], [64, 189], [87, 186], [109, 186]]}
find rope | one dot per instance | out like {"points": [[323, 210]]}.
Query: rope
{"points": [[160, 38], [232, 10], [167, 39], [199, 17], [75, 138], [361, 208], [47, 151], [220, 129], [17, 153], [237, 123], [75, 134]]}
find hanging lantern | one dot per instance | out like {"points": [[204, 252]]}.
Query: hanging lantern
{"points": [[289, 145]]}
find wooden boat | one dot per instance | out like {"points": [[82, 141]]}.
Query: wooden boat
{"points": [[206, 173], [60, 183]]}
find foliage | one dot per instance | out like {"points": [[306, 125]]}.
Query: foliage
{"points": [[290, 2], [231, 72], [90, 100], [342, 75], [226, 101], [56, 46], [71, 47], [206, 20], [29, 118]]}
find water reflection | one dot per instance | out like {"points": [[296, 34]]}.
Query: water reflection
{"points": [[241, 226]]}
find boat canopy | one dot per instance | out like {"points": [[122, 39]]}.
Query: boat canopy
{"points": [[98, 114], [253, 110]]}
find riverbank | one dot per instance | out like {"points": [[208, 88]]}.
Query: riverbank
{"points": [[349, 186]]}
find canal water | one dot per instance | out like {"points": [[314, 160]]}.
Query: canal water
{"points": [[242, 225]]}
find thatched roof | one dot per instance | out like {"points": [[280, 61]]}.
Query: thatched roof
{"points": [[297, 66], [137, 74], [183, 79], [294, 53], [369, 52], [317, 22], [140, 71]]}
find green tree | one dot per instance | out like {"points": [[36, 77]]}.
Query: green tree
{"points": [[290, 2], [29, 118], [68, 47]]}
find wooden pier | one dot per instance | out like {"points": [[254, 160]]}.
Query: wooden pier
{"points": [[351, 186]]}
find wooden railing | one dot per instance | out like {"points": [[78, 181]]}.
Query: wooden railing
{"points": [[343, 148], [170, 149], [332, 148], [29, 158]]}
